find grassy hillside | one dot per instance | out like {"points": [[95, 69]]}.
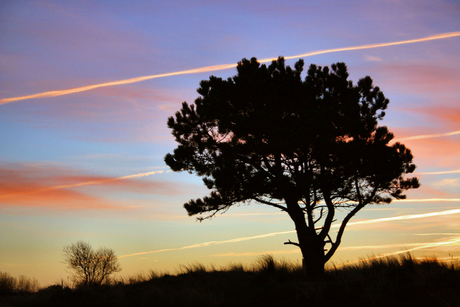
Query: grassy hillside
{"points": [[393, 281]]}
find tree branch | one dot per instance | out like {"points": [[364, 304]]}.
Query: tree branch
{"points": [[269, 203], [329, 216], [348, 217], [292, 243], [320, 217]]}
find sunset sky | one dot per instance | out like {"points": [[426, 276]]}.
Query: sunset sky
{"points": [[83, 137]]}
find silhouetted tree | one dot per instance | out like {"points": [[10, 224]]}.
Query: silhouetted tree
{"points": [[90, 267], [305, 147]]}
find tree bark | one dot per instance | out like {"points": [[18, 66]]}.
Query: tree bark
{"points": [[312, 250], [310, 244]]}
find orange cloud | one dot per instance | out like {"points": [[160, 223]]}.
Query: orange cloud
{"points": [[457, 171], [39, 186], [16, 187], [429, 148], [420, 77], [448, 115], [427, 136]]}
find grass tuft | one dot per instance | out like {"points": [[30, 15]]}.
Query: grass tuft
{"points": [[378, 281]]}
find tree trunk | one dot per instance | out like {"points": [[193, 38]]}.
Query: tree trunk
{"points": [[313, 267], [313, 256], [311, 246]]}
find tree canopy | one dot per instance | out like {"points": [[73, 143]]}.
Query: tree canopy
{"points": [[305, 146]]}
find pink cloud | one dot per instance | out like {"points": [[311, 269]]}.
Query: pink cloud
{"points": [[431, 152], [439, 152], [427, 191], [47, 187], [420, 77], [449, 116], [23, 188]]}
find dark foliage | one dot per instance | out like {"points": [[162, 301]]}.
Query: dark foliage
{"points": [[382, 282], [22, 284], [307, 147]]}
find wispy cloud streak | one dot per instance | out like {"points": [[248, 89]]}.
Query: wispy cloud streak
{"points": [[427, 136], [204, 244], [418, 246], [453, 241], [439, 172], [104, 180], [428, 200], [222, 67], [272, 234], [404, 217], [94, 182]]}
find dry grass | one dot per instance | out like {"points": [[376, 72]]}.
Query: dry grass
{"points": [[381, 281]]}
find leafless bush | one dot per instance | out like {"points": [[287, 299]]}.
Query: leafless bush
{"points": [[10, 284], [90, 267]]}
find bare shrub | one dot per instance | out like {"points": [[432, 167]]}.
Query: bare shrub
{"points": [[22, 284], [90, 267]]}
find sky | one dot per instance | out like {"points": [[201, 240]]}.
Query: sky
{"points": [[83, 136]]}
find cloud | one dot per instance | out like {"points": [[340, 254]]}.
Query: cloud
{"points": [[204, 244], [383, 246], [241, 239], [279, 252], [428, 200], [427, 136], [451, 242], [417, 246], [46, 186], [437, 234], [448, 182], [447, 115], [220, 67], [457, 171], [17, 187], [427, 79], [83, 181], [428, 148], [413, 246], [370, 58], [407, 217]]}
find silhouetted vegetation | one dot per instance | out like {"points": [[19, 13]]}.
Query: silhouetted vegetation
{"points": [[394, 281], [90, 267], [22, 284], [306, 147]]}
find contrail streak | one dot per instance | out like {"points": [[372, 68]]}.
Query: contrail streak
{"points": [[222, 67], [427, 136], [103, 180], [371, 46], [439, 173], [403, 217], [427, 200], [210, 243], [453, 241]]}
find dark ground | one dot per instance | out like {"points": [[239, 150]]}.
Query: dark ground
{"points": [[383, 282]]}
